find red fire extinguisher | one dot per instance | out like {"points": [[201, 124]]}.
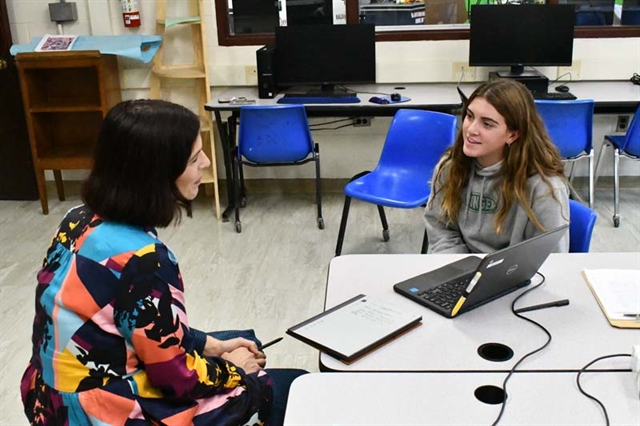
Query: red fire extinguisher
{"points": [[130, 13]]}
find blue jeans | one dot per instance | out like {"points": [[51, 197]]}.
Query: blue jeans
{"points": [[281, 377]]}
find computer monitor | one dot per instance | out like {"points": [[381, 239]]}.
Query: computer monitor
{"points": [[521, 35], [325, 55], [254, 16]]}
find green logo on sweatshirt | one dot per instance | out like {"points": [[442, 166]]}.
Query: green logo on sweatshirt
{"points": [[489, 204]]}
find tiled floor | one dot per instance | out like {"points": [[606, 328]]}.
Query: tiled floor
{"points": [[270, 277]]}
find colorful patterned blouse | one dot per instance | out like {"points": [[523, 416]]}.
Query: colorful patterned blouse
{"points": [[111, 340]]}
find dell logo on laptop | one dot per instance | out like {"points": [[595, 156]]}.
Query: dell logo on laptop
{"points": [[512, 269]]}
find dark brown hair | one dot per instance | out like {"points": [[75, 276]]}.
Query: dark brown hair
{"points": [[143, 147]]}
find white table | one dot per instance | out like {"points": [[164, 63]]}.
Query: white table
{"points": [[448, 399], [580, 331]]}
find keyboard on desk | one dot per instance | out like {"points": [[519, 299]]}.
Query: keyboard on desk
{"points": [[319, 97], [325, 94], [554, 96]]}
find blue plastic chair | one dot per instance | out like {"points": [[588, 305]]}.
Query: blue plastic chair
{"points": [[273, 136], [590, 17], [627, 145], [630, 16], [570, 127], [583, 219], [415, 142]]}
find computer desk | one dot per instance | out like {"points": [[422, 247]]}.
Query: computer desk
{"points": [[449, 399], [609, 96], [580, 330]]}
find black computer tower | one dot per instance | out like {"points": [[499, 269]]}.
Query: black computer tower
{"points": [[534, 81], [265, 57]]}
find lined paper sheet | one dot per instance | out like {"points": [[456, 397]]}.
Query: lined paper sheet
{"points": [[617, 289]]}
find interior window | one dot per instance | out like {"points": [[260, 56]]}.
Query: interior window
{"points": [[252, 22]]}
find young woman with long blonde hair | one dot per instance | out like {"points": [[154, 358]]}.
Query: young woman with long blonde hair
{"points": [[502, 182]]}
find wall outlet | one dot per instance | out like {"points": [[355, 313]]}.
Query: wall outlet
{"points": [[574, 71], [463, 72], [251, 75], [622, 123], [362, 121]]}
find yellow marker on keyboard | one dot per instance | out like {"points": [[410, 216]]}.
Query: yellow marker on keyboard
{"points": [[466, 293]]}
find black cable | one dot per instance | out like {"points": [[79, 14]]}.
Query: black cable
{"points": [[333, 128], [558, 79], [635, 78], [513, 369], [583, 369], [331, 122], [357, 91]]}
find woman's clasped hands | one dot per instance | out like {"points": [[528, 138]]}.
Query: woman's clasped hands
{"points": [[241, 352]]}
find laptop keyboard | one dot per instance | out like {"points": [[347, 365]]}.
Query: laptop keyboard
{"points": [[446, 295]]}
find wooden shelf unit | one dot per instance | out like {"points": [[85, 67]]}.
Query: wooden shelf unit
{"points": [[66, 96], [196, 71]]}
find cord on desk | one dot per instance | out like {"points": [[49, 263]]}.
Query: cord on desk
{"points": [[635, 78], [583, 369], [558, 79], [513, 369], [358, 91]]}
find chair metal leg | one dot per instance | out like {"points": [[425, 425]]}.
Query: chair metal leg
{"points": [[597, 170], [616, 188], [573, 163], [319, 190], [343, 224], [591, 182], [385, 225], [243, 189], [425, 243], [236, 187]]}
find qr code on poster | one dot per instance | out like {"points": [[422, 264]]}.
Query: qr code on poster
{"points": [[56, 43]]}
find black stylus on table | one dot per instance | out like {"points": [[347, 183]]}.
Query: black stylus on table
{"points": [[557, 303], [266, 345]]}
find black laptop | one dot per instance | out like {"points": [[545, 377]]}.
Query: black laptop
{"points": [[501, 272]]}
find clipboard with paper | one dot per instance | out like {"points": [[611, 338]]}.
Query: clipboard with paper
{"points": [[617, 292]]}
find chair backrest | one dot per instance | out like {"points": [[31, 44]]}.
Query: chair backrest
{"points": [[632, 138], [274, 134], [569, 124], [583, 219], [630, 16], [590, 17], [415, 142]]}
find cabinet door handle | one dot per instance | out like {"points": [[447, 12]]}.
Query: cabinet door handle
{"points": [[3, 64]]}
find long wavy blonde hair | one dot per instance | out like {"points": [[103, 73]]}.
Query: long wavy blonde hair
{"points": [[530, 154]]}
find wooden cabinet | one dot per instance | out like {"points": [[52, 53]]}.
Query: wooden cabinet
{"points": [[66, 95]]}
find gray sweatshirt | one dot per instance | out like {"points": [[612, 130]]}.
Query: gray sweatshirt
{"points": [[475, 230]]}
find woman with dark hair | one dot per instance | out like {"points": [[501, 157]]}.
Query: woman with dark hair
{"points": [[112, 344], [502, 181]]}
